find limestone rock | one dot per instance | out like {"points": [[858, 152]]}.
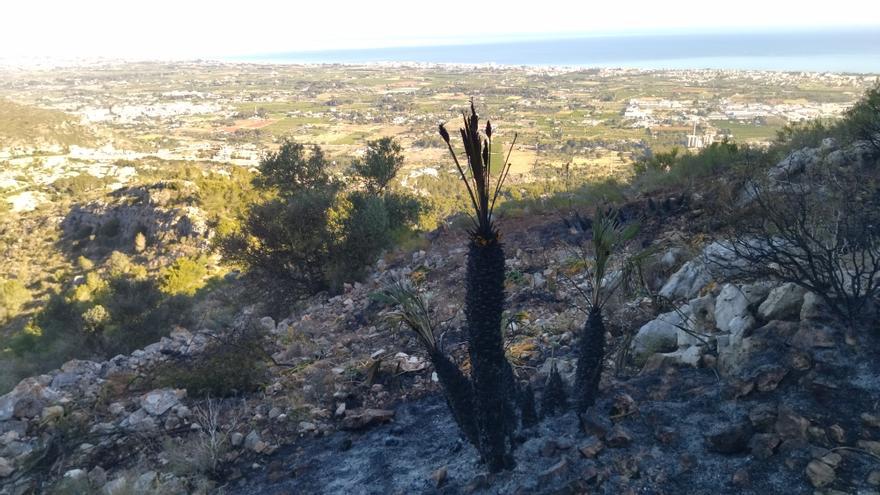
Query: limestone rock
{"points": [[6, 468], [659, 335], [161, 400], [819, 473], [783, 303]]}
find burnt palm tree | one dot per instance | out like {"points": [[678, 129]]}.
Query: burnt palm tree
{"points": [[492, 377], [412, 312], [608, 236]]}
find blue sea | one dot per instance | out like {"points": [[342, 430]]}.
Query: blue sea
{"points": [[854, 50]]}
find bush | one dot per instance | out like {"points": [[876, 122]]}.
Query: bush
{"points": [[311, 235], [184, 277], [234, 364]]}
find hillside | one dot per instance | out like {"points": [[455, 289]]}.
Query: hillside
{"points": [[717, 379], [25, 127]]}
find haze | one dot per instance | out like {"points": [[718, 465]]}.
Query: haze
{"points": [[175, 29]]}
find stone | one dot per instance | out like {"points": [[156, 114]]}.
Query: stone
{"points": [[439, 476], [872, 446], [687, 282], [145, 483], [236, 439], [98, 476], [52, 413], [837, 433], [252, 440], [813, 308], [763, 445], [731, 303], [594, 423], [741, 478], [763, 416], [870, 420], [790, 424], [874, 478], [689, 356], [819, 473], [6, 468], [659, 335], [768, 376], [783, 303], [833, 459], [618, 437], [75, 474], [731, 438], [28, 407], [141, 421], [592, 448], [366, 418], [810, 336], [268, 324], [159, 401], [118, 486]]}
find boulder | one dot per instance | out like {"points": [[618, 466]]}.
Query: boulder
{"points": [[687, 282], [813, 308], [660, 334], [6, 468], [731, 303], [160, 400], [783, 303], [688, 356]]}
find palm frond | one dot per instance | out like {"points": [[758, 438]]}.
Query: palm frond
{"points": [[412, 311]]}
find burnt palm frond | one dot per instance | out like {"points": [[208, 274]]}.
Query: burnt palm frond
{"points": [[478, 151]]}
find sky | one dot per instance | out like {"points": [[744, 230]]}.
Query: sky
{"points": [[175, 29]]}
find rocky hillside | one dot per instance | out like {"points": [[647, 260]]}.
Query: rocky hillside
{"points": [[733, 385]]}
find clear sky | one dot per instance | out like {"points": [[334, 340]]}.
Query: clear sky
{"points": [[198, 28]]}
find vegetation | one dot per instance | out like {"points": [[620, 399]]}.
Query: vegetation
{"points": [[13, 296], [312, 233], [492, 376], [608, 236]]}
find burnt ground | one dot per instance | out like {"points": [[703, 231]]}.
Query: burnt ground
{"points": [[657, 444]]}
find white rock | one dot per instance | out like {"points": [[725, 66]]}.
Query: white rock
{"points": [[660, 334], [783, 302], [6, 468], [689, 356], [161, 400], [75, 474], [687, 282], [268, 324], [731, 303]]}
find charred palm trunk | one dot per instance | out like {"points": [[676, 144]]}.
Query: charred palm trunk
{"points": [[459, 395], [589, 366], [484, 303]]}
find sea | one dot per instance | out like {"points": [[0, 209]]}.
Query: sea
{"points": [[855, 50]]}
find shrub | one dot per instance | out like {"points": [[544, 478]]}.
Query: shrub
{"points": [[184, 277]]}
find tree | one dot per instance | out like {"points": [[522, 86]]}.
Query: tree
{"points": [[290, 171], [492, 376], [863, 119], [380, 164]]}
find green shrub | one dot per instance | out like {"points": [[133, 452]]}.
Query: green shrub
{"points": [[380, 164], [185, 277]]}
